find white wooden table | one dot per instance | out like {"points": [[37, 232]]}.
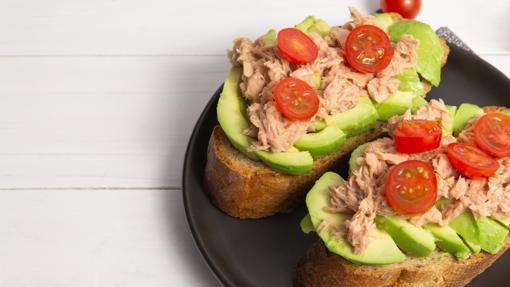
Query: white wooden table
{"points": [[97, 102]]}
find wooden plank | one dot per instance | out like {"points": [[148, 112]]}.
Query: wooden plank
{"points": [[104, 121], [100, 121], [98, 27], [97, 238]]}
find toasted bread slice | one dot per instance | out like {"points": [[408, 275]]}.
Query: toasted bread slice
{"points": [[245, 188], [321, 268]]}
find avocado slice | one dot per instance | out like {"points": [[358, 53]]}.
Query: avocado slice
{"points": [[270, 37], [482, 231], [465, 113], [448, 130], [475, 248], [396, 104], [306, 224], [318, 125], [505, 222], [410, 82], [353, 165], [429, 52], [448, 240], [413, 240], [292, 162], [418, 102], [384, 20], [311, 24], [381, 250], [356, 120], [230, 112], [324, 142], [305, 24]]}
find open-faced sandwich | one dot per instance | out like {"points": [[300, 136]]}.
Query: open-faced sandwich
{"points": [[295, 101], [421, 207]]}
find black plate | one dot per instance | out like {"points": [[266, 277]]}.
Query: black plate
{"points": [[265, 252]]}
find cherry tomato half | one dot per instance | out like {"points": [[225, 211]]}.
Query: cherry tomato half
{"points": [[415, 136], [492, 134], [471, 161], [411, 187], [368, 49], [296, 47], [295, 99], [407, 8]]}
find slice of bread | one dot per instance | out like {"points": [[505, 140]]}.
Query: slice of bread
{"points": [[245, 188], [321, 268]]}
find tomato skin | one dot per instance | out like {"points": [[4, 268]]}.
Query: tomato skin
{"points": [[296, 47], [416, 136], [295, 99], [368, 49], [470, 161], [407, 8], [411, 187], [492, 134]]}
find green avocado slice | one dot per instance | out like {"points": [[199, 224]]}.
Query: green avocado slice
{"points": [[429, 51], [381, 250], [504, 221], [230, 112], [311, 24], [418, 102], [396, 104], [353, 164], [324, 142], [413, 240], [448, 130], [356, 120], [384, 20], [448, 240], [482, 231], [306, 224], [292, 162], [464, 114], [410, 82]]}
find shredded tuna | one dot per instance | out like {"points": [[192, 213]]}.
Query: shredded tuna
{"points": [[380, 89], [431, 216], [358, 19], [339, 35], [435, 110], [273, 129], [338, 86], [404, 57]]}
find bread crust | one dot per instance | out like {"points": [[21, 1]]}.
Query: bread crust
{"points": [[248, 189], [321, 268]]}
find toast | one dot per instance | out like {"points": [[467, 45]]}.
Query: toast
{"points": [[321, 268], [247, 189]]}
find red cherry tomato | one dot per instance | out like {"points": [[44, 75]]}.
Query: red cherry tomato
{"points": [[471, 161], [295, 99], [492, 134], [411, 187], [415, 136], [296, 47], [407, 8], [368, 49]]}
